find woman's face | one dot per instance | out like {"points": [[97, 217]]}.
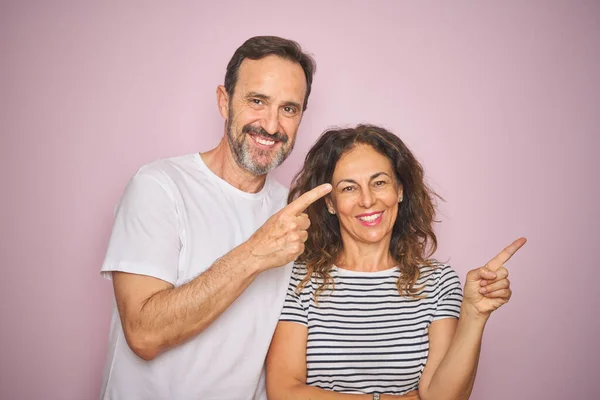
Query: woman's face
{"points": [[365, 196]]}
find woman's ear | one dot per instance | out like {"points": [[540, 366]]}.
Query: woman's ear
{"points": [[329, 203]]}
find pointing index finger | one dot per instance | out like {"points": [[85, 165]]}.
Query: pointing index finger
{"points": [[505, 255], [297, 206]]}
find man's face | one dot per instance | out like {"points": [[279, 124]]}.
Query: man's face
{"points": [[264, 112]]}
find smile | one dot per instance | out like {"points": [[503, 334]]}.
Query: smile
{"points": [[262, 141], [370, 219]]}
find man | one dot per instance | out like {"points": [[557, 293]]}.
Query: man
{"points": [[200, 249]]}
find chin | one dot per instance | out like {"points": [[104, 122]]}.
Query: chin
{"points": [[373, 238]]}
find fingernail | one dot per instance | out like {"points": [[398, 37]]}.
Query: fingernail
{"points": [[482, 290]]}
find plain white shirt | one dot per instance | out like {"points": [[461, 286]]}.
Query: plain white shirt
{"points": [[174, 220]]}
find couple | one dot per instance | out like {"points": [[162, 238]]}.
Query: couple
{"points": [[205, 252]]}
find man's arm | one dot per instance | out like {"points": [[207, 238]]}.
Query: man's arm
{"points": [[156, 316]]}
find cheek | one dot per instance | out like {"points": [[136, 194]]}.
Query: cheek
{"points": [[290, 126], [391, 202], [246, 116], [342, 204]]}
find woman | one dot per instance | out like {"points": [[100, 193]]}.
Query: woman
{"points": [[368, 315]]}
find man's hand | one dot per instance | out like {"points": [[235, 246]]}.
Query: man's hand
{"points": [[281, 239], [487, 288]]}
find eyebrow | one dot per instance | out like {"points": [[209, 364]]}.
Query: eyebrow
{"points": [[376, 175], [266, 98], [257, 95]]}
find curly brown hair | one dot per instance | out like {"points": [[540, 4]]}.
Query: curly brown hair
{"points": [[413, 239]]}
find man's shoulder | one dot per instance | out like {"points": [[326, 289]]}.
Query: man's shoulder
{"points": [[163, 165], [168, 170], [276, 189]]}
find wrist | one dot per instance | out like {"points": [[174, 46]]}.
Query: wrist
{"points": [[243, 257], [470, 313]]}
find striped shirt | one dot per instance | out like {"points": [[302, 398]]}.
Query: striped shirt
{"points": [[363, 337]]}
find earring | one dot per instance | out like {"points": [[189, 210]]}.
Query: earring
{"points": [[400, 199], [331, 211]]}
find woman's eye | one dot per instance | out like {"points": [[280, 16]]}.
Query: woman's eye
{"points": [[380, 183], [347, 189]]}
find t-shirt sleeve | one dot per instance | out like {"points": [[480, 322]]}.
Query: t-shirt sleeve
{"points": [[293, 308], [449, 294], [145, 236]]}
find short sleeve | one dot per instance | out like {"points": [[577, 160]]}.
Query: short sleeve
{"points": [[293, 308], [449, 294], [145, 236]]}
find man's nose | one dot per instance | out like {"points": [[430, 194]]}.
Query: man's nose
{"points": [[271, 122]]}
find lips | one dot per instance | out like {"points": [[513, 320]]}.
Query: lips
{"points": [[370, 219], [262, 141]]}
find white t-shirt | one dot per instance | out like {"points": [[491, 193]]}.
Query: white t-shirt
{"points": [[174, 220]]}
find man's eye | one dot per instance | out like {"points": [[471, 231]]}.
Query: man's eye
{"points": [[380, 183], [257, 101], [290, 110]]}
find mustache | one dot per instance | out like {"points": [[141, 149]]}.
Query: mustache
{"points": [[278, 136]]}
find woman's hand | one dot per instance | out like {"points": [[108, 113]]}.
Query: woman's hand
{"points": [[487, 288]]}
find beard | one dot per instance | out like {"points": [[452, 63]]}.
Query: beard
{"points": [[252, 159]]}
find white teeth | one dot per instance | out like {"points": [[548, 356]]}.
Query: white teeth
{"points": [[264, 141], [370, 218]]}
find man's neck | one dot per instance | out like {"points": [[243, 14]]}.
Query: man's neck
{"points": [[221, 162]]}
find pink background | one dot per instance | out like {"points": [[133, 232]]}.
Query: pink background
{"points": [[500, 101]]}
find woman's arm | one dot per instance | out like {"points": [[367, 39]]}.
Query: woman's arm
{"points": [[454, 347], [286, 369]]}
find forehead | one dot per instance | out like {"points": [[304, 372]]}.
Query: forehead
{"points": [[362, 161], [272, 76]]}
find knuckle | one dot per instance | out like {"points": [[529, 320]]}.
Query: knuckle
{"points": [[297, 248]]}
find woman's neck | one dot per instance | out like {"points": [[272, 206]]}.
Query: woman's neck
{"points": [[366, 257]]}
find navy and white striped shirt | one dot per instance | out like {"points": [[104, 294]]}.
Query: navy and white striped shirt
{"points": [[363, 337]]}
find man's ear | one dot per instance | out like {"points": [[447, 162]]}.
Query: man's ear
{"points": [[223, 101]]}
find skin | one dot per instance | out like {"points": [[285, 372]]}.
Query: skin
{"points": [[269, 94], [363, 183], [156, 315]]}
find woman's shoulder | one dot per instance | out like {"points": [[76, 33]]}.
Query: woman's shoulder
{"points": [[299, 271], [437, 270]]}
